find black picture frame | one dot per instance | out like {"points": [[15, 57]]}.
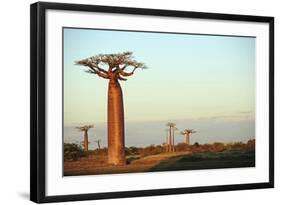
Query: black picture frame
{"points": [[38, 101]]}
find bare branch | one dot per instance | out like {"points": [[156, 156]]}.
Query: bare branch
{"points": [[93, 66], [121, 78], [123, 68], [92, 63], [100, 74], [125, 74], [134, 64], [103, 75]]}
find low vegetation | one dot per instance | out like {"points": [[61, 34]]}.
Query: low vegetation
{"points": [[73, 152], [195, 148]]}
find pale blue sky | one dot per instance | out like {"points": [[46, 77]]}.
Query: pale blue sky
{"points": [[189, 76]]}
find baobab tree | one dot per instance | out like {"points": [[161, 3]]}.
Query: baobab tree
{"points": [[171, 145], [174, 128], [98, 143], [167, 144], [187, 133], [113, 67], [85, 129]]}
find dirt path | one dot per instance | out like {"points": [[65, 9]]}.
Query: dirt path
{"points": [[97, 164]]}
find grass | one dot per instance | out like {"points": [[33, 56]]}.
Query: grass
{"points": [[208, 160], [96, 163]]}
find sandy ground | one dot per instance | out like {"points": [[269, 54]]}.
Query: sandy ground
{"points": [[97, 164]]}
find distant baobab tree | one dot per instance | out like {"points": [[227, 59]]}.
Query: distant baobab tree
{"points": [[174, 128], [167, 144], [113, 68], [171, 144], [98, 143], [187, 133], [85, 129]]}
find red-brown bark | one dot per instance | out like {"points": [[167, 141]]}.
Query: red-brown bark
{"points": [[115, 124]]}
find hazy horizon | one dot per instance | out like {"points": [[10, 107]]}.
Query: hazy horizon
{"points": [[142, 134]]}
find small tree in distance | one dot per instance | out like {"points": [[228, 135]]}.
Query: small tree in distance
{"points": [[187, 133], [85, 129], [98, 143]]}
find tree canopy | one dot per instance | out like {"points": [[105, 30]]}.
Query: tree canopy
{"points": [[85, 128], [112, 66], [171, 124], [187, 131]]}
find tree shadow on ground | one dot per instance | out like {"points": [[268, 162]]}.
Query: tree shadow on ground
{"points": [[208, 160]]}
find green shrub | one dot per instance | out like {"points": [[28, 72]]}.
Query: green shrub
{"points": [[132, 150], [73, 152]]}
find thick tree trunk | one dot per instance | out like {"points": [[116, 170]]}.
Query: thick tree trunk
{"points": [[115, 126], [86, 142], [187, 139]]}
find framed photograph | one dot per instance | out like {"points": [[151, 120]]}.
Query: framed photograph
{"points": [[129, 102]]}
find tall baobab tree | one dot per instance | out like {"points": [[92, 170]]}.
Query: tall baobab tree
{"points": [[171, 145], [98, 143], [167, 144], [187, 133], [113, 67], [85, 129]]}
